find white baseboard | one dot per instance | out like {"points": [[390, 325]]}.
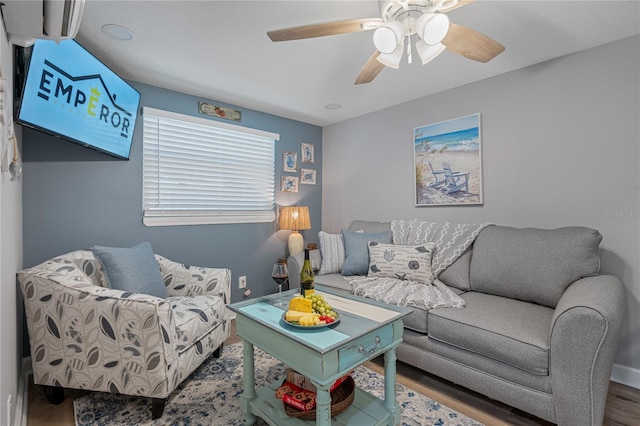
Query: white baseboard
{"points": [[626, 375], [22, 399]]}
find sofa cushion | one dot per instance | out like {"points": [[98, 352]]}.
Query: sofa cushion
{"points": [[438, 358], [410, 262], [535, 265], [418, 319], [195, 317], [334, 281], [132, 269], [507, 330], [356, 252], [457, 274]]}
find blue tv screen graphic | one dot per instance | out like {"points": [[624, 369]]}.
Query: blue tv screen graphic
{"points": [[70, 93]]}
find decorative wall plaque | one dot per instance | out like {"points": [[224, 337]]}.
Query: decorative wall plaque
{"points": [[219, 111]]}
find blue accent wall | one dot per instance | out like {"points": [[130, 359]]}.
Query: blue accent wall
{"points": [[75, 197]]}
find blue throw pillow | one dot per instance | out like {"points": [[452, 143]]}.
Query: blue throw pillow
{"points": [[356, 250], [132, 269]]}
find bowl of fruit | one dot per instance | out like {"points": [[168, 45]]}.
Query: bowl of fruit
{"points": [[310, 312]]}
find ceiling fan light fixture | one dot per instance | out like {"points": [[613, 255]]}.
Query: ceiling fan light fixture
{"points": [[387, 37], [428, 52], [445, 4], [400, 19], [392, 59], [432, 27]]}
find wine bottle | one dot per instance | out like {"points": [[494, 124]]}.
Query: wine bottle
{"points": [[307, 285]]}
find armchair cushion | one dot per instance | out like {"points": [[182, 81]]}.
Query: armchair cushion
{"points": [[132, 269], [195, 317]]}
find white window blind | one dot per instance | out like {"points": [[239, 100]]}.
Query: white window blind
{"points": [[199, 171]]}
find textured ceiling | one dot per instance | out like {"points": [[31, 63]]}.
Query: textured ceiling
{"points": [[219, 49]]}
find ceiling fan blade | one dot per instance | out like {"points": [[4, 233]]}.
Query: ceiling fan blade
{"points": [[370, 70], [471, 44], [455, 6], [324, 29]]}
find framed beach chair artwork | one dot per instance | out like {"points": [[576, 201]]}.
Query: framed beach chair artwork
{"points": [[448, 162]]}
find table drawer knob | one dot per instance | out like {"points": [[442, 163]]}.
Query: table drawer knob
{"points": [[362, 349]]}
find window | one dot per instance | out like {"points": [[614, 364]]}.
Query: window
{"points": [[199, 171]]}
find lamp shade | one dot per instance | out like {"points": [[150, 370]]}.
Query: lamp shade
{"points": [[392, 59], [387, 37], [295, 218], [427, 52], [432, 27]]}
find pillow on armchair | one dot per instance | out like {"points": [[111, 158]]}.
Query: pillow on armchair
{"points": [[132, 269]]}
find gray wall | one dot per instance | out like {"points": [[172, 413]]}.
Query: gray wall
{"points": [[75, 198], [560, 147]]}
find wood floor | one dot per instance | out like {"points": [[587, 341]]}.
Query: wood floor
{"points": [[623, 402]]}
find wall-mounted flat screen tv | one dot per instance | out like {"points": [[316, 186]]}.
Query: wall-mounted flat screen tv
{"points": [[71, 94]]}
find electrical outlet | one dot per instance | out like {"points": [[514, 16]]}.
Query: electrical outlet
{"points": [[242, 282]]}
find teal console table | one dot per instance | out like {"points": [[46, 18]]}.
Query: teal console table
{"points": [[366, 329]]}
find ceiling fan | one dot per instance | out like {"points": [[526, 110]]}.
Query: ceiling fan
{"points": [[402, 19]]}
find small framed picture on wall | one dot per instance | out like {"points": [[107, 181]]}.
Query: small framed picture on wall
{"points": [[307, 153], [290, 183], [290, 162], [307, 177]]}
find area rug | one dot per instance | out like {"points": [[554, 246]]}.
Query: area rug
{"points": [[211, 396]]}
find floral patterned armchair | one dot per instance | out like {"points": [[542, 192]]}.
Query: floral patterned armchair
{"points": [[85, 335]]}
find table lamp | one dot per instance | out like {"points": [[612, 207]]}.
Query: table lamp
{"points": [[295, 218]]}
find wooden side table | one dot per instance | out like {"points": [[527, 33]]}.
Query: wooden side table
{"points": [[366, 330]]}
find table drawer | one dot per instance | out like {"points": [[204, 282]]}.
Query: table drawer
{"points": [[366, 347]]}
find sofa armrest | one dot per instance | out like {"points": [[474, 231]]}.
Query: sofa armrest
{"points": [[584, 339], [294, 265], [182, 280], [103, 333]]}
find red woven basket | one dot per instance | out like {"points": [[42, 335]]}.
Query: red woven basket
{"points": [[341, 399]]}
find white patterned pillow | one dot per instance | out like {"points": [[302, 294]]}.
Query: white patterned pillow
{"points": [[332, 252], [402, 262]]}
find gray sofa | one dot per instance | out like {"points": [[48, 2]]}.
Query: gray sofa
{"points": [[540, 326]]}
